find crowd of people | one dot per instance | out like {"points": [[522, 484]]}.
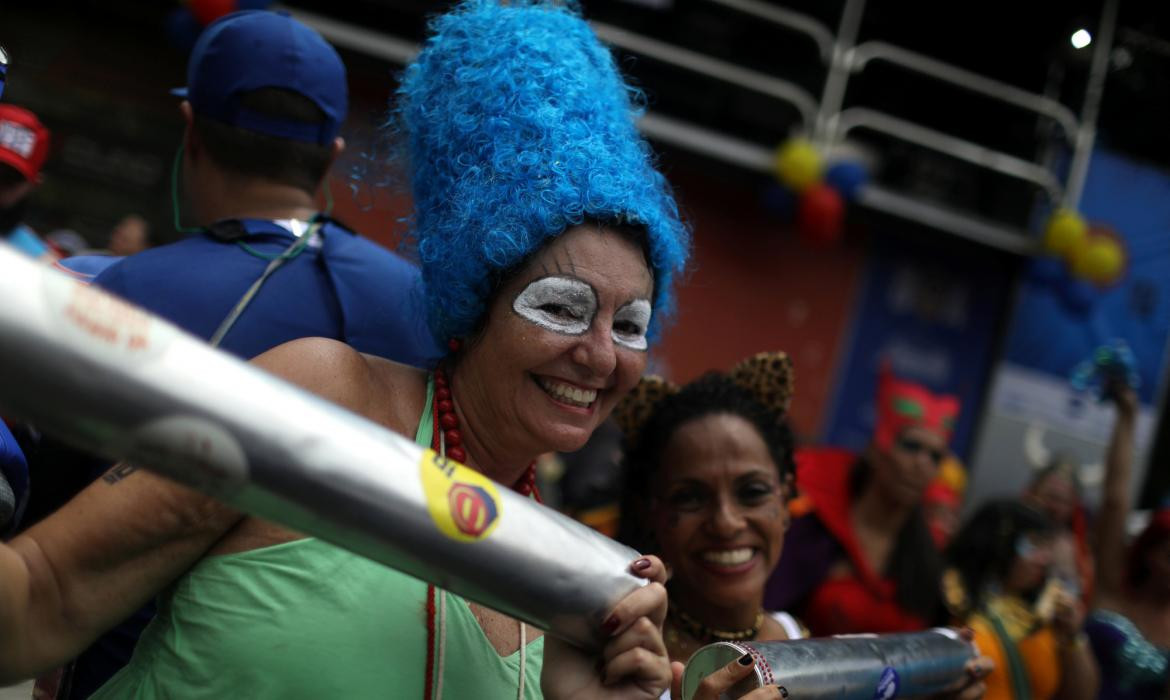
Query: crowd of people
{"points": [[548, 246]]}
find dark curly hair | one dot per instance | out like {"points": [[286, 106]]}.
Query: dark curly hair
{"points": [[712, 394], [985, 548]]}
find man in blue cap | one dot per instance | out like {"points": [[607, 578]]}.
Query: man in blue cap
{"points": [[265, 99], [264, 102]]}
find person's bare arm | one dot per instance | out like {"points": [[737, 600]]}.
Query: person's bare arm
{"points": [[1109, 541], [129, 534], [1079, 675], [92, 563], [1079, 678]]}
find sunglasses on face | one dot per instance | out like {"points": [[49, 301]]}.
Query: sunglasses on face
{"points": [[913, 446]]}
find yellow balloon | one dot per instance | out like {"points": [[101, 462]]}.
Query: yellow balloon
{"points": [[798, 164], [1100, 260], [1065, 233]]}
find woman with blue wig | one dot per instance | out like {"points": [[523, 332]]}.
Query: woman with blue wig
{"points": [[548, 245]]}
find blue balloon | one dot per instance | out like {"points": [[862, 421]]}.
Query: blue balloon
{"points": [[183, 29], [847, 177], [779, 201]]}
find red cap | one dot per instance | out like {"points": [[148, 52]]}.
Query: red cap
{"points": [[24, 140]]}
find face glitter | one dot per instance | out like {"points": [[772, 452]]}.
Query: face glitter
{"points": [[559, 304], [630, 324]]}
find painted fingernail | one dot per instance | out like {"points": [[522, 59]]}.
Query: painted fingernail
{"points": [[783, 691], [610, 625], [745, 660], [642, 564]]}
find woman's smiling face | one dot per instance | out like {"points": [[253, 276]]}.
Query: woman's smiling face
{"points": [[565, 339], [719, 511]]}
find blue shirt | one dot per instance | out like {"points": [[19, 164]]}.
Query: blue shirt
{"points": [[341, 286]]}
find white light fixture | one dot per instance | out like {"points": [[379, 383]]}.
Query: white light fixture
{"points": [[1081, 38]]}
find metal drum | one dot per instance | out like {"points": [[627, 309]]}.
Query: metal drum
{"points": [[849, 667]]}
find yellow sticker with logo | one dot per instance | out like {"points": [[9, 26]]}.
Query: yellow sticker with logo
{"points": [[463, 503]]}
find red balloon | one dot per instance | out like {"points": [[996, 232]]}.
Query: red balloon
{"points": [[207, 11], [821, 214]]}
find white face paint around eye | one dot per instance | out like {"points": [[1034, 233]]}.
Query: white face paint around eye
{"points": [[559, 304], [630, 324]]}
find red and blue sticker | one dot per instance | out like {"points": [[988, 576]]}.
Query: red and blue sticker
{"points": [[463, 503]]}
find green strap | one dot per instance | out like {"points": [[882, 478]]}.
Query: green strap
{"points": [[1021, 689]]}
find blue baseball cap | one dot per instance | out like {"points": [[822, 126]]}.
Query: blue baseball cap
{"points": [[255, 49]]}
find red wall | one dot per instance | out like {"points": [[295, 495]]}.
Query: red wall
{"points": [[754, 286]]}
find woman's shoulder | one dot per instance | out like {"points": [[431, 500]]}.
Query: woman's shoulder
{"points": [[377, 388]]}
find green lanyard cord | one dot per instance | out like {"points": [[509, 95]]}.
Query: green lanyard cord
{"points": [[175, 194], [274, 263], [1017, 669]]}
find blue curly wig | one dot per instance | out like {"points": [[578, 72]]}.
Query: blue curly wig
{"points": [[519, 127]]}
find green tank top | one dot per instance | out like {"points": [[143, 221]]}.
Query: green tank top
{"points": [[306, 619]]}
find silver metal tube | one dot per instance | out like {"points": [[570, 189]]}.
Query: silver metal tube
{"points": [[860, 56], [1078, 171], [853, 667], [108, 377], [860, 117], [833, 93], [356, 38], [707, 142], [943, 218], [796, 21], [700, 63]]}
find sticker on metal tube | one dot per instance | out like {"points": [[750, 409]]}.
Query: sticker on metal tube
{"points": [[463, 503], [104, 324], [887, 687]]}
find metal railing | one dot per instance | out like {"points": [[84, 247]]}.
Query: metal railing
{"points": [[826, 120]]}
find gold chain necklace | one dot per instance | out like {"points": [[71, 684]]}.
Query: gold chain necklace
{"points": [[706, 635]]}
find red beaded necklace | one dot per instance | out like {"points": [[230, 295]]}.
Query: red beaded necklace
{"points": [[447, 440]]}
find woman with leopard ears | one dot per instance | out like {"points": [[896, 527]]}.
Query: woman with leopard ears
{"points": [[708, 467]]}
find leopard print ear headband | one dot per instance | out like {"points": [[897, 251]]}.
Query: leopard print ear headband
{"points": [[767, 376]]}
